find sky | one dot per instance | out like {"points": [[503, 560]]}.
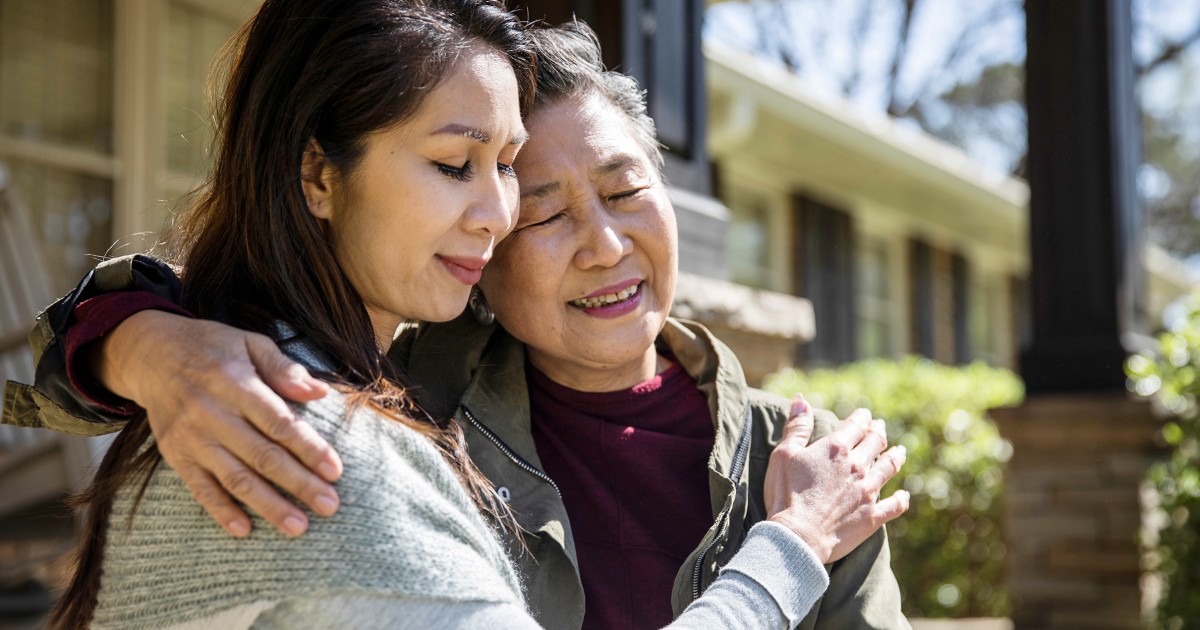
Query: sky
{"points": [[822, 34]]}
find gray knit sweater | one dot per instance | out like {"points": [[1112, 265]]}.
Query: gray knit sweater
{"points": [[406, 549], [405, 529]]}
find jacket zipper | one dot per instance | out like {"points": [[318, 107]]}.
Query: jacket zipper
{"points": [[739, 461], [511, 454]]}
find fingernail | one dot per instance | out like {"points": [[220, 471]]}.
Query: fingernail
{"points": [[298, 372], [329, 471], [325, 505], [294, 525], [239, 528]]}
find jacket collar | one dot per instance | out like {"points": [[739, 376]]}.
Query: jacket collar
{"points": [[442, 360], [301, 349], [719, 376]]}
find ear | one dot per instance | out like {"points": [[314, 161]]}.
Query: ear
{"points": [[317, 180]]}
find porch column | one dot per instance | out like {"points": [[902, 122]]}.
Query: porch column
{"points": [[1080, 444]]}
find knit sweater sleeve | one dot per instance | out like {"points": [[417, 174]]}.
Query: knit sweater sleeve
{"points": [[772, 583]]}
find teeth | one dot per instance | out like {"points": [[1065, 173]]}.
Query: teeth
{"points": [[606, 300]]}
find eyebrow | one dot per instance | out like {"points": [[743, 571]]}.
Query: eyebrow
{"points": [[611, 166], [478, 135], [617, 163], [544, 190]]}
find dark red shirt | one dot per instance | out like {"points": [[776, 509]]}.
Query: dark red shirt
{"points": [[632, 467]]}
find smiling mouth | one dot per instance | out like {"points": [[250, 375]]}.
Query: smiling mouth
{"points": [[601, 301]]}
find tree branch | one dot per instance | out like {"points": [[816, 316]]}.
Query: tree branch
{"points": [[1169, 53], [968, 34], [898, 55]]}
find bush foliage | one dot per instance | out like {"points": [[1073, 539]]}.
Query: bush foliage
{"points": [[1169, 375], [948, 550]]}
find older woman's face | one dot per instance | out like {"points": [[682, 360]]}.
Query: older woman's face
{"points": [[587, 278]]}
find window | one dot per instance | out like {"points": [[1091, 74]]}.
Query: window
{"points": [[749, 240], [56, 126], [194, 37], [939, 301], [921, 279], [959, 301], [986, 320], [874, 299], [824, 274]]}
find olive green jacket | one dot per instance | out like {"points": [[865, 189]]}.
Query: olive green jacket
{"points": [[477, 375]]}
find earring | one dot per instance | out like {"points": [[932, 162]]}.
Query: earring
{"points": [[480, 309]]}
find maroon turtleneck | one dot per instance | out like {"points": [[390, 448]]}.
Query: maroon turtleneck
{"points": [[632, 466]]}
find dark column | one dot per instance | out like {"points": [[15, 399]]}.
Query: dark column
{"points": [[1081, 444], [1085, 224]]}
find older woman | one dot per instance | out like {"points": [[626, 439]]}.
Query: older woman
{"points": [[627, 443]]}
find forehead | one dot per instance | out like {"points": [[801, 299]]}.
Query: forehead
{"points": [[572, 136], [478, 91]]}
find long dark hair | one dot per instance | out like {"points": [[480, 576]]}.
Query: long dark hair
{"points": [[334, 71]]}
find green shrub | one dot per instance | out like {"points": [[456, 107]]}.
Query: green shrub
{"points": [[1169, 375], [948, 550]]}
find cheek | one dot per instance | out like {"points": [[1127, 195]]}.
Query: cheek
{"points": [[523, 280]]}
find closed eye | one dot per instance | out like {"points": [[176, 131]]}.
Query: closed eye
{"points": [[625, 195], [506, 169], [461, 173], [547, 221]]}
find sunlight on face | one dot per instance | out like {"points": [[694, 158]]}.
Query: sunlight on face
{"points": [[588, 278], [418, 218]]}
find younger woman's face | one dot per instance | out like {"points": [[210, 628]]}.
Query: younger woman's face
{"points": [[418, 218]]}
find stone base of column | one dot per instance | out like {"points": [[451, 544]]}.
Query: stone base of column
{"points": [[1074, 509]]}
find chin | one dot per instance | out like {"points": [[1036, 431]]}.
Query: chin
{"points": [[443, 312]]}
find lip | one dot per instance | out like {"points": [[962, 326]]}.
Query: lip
{"points": [[625, 284], [466, 269], [613, 311]]}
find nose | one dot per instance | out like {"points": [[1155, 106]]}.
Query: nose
{"points": [[494, 207], [604, 242]]}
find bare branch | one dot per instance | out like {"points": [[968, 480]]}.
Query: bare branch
{"points": [[898, 55], [961, 44], [852, 83], [774, 31], [1169, 53]]}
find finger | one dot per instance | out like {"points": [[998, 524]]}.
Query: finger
{"points": [[871, 445], [851, 431], [290, 379], [887, 510], [272, 461], [247, 487], [259, 404], [887, 466], [219, 505], [799, 427]]}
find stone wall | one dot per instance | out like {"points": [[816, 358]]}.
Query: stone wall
{"points": [[1074, 509], [762, 327]]}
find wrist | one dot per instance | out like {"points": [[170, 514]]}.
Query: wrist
{"points": [[113, 356], [820, 545], [90, 346]]}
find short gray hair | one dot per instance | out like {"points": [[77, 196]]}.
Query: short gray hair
{"points": [[569, 65]]}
